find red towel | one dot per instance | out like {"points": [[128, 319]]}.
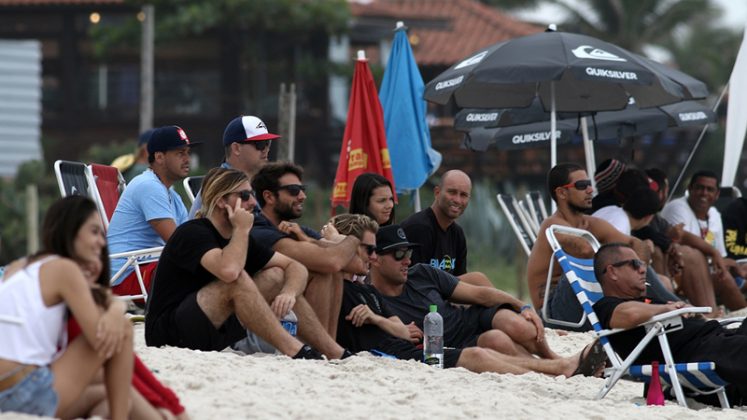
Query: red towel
{"points": [[143, 380]]}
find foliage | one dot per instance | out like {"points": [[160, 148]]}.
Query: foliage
{"points": [[633, 24]]}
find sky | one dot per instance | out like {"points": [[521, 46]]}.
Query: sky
{"points": [[735, 13]]}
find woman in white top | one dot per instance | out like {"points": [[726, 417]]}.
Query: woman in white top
{"points": [[39, 373]]}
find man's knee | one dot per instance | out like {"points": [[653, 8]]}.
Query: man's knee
{"points": [[497, 340], [513, 324], [476, 278], [473, 356], [270, 281]]}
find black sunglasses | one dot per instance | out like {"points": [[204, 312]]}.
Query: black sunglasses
{"points": [[399, 254], [245, 195], [261, 145], [635, 263], [580, 185], [370, 249], [293, 189]]}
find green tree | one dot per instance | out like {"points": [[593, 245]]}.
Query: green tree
{"points": [[633, 24]]}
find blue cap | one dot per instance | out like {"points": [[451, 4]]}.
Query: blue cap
{"points": [[167, 138], [246, 128], [145, 136]]}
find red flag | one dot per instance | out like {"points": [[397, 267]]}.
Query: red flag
{"points": [[364, 143]]}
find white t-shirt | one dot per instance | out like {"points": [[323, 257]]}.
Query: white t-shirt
{"points": [[615, 216], [711, 230]]}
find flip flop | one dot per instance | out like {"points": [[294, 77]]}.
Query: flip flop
{"points": [[591, 362]]}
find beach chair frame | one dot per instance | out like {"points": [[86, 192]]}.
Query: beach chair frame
{"points": [[517, 221], [699, 377], [192, 185]]}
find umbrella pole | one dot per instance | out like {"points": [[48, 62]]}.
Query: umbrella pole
{"points": [[416, 199], [695, 147], [553, 140], [588, 152]]}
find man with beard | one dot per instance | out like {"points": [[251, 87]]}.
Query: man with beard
{"points": [[150, 210], [570, 187], [441, 239], [281, 196], [246, 144]]}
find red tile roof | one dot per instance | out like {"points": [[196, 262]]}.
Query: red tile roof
{"points": [[445, 31]]}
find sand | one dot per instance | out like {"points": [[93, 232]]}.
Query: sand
{"points": [[225, 385]]}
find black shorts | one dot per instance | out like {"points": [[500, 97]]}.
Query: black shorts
{"points": [[476, 320], [401, 349], [192, 329]]}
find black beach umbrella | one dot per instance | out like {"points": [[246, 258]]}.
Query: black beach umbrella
{"points": [[567, 72]]}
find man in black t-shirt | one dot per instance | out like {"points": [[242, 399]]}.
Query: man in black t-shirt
{"points": [[367, 324], [623, 279], [735, 228], [204, 296], [282, 195], [495, 319], [441, 239]]}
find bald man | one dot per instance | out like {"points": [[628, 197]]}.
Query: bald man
{"points": [[441, 239]]}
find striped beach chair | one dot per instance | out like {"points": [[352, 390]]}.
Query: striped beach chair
{"points": [[699, 378]]}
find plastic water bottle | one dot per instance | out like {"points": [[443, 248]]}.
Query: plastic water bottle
{"points": [[433, 345], [290, 323]]}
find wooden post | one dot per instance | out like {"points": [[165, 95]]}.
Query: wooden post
{"points": [[287, 122], [146, 67], [32, 219]]}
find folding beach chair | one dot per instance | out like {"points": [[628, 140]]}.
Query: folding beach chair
{"points": [[71, 178], [698, 377], [527, 217], [536, 205], [192, 186], [517, 221], [109, 185]]}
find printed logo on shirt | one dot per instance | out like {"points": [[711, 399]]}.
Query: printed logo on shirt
{"points": [[447, 263]]}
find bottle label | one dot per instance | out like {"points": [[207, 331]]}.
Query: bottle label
{"points": [[434, 360], [290, 326]]}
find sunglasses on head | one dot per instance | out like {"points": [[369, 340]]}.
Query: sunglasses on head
{"points": [[261, 145], [370, 249], [635, 263], [580, 185], [293, 189], [399, 254], [245, 195]]}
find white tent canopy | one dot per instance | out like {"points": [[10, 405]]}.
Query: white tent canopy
{"points": [[736, 116]]}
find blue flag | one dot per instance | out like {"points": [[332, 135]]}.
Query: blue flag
{"points": [[408, 138]]}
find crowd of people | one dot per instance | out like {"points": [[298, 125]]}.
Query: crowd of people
{"points": [[238, 262]]}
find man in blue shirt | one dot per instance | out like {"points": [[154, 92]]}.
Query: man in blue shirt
{"points": [[150, 210]]}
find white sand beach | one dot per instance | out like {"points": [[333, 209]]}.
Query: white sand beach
{"points": [[225, 385]]}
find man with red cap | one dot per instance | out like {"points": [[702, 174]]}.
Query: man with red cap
{"points": [[246, 142]]}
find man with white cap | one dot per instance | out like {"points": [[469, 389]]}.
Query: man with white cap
{"points": [[246, 142], [150, 210]]}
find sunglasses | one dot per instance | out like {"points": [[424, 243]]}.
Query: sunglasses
{"points": [[293, 189], [399, 254], [580, 185], [635, 263], [245, 195], [261, 145], [370, 249]]}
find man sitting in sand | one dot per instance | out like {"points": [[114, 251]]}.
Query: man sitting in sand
{"points": [[570, 187], [204, 296], [625, 305], [495, 319], [282, 195], [367, 324]]}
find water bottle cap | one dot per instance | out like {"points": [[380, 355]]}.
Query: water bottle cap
{"points": [[434, 308]]}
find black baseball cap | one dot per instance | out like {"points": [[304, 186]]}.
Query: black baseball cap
{"points": [[392, 237], [168, 138]]}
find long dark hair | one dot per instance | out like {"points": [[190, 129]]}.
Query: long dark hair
{"points": [[61, 224], [362, 191]]}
